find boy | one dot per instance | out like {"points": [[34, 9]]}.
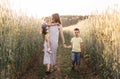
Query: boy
{"points": [[77, 48]]}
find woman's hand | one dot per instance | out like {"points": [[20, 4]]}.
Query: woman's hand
{"points": [[65, 46]]}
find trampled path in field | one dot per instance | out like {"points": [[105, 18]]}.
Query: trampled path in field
{"points": [[37, 71]]}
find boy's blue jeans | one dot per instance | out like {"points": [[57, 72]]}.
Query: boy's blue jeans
{"points": [[75, 56]]}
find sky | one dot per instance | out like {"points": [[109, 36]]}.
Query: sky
{"points": [[40, 8]]}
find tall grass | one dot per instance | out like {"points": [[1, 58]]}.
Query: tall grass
{"points": [[19, 40], [102, 44]]}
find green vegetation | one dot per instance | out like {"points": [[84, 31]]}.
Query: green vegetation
{"points": [[21, 43], [20, 40], [71, 20], [101, 36]]}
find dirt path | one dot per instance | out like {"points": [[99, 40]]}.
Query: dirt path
{"points": [[32, 70], [36, 70]]}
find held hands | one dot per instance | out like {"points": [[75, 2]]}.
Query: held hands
{"points": [[65, 46]]}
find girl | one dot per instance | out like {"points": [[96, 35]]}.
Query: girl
{"points": [[45, 33]]}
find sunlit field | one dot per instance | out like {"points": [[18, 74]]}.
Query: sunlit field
{"points": [[20, 40], [101, 35], [21, 46], [102, 44]]}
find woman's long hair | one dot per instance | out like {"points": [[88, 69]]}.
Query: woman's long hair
{"points": [[56, 18]]}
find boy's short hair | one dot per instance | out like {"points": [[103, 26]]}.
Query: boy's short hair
{"points": [[76, 29]]}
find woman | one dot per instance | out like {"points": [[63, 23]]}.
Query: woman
{"points": [[54, 36], [54, 30]]}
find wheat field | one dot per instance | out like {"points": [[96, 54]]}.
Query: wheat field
{"points": [[101, 35], [20, 41]]}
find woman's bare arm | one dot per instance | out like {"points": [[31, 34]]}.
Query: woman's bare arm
{"points": [[52, 24], [62, 35]]}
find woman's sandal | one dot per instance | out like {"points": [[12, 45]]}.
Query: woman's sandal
{"points": [[48, 72], [54, 69]]}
